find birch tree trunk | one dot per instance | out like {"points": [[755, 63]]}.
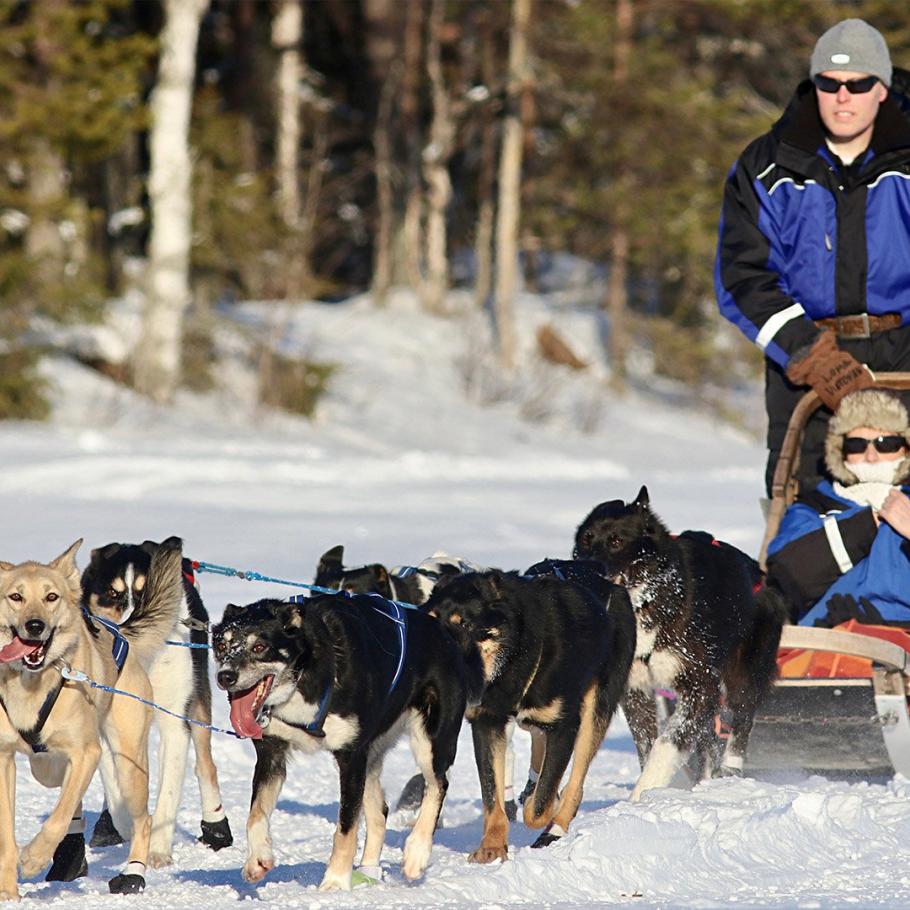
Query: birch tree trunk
{"points": [[383, 23], [46, 169], [510, 186], [385, 193], [287, 32], [436, 168], [287, 36], [410, 79], [616, 303], [483, 235], [47, 195], [168, 293]]}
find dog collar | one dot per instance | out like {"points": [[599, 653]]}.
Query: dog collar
{"points": [[314, 727]]}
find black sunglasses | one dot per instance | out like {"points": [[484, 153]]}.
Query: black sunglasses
{"points": [[884, 445], [854, 86]]}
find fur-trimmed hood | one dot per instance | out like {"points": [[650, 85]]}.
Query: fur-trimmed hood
{"points": [[875, 408]]}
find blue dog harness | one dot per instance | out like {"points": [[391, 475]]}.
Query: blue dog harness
{"points": [[391, 611], [120, 647]]}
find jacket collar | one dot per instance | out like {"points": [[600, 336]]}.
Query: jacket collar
{"points": [[801, 135]]}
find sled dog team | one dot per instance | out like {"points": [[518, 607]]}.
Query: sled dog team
{"points": [[555, 649]]}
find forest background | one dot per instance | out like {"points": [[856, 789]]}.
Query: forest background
{"points": [[197, 153]]}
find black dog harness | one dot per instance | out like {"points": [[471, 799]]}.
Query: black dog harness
{"points": [[391, 611], [33, 735], [119, 649]]}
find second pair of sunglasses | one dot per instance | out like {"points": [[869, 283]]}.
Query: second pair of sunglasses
{"points": [[854, 86], [884, 445]]}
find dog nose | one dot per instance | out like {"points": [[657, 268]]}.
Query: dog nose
{"points": [[226, 678], [34, 627]]}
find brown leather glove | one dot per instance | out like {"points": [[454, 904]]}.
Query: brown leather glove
{"points": [[833, 373]]}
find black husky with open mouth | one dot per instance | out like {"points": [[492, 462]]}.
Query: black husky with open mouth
{"points": [[347, 674]]}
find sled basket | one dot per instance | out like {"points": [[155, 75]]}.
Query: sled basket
{"points": [[839, 708]]}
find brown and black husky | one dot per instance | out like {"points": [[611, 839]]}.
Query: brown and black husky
{"points": [[555, 655]]}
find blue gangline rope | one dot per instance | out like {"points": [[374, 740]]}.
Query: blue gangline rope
{"points": [[67, 672], [255, 576]]}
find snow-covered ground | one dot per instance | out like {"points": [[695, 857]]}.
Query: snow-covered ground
{"points": [[395, 466]]}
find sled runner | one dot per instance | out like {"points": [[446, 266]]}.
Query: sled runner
{"points": [[839, 707]]}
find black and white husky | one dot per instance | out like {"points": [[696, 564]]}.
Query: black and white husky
{"points": [[349, 675], [707, 629], [114, 587]]}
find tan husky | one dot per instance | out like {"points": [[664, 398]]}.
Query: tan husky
{"points": [[59, 722]]}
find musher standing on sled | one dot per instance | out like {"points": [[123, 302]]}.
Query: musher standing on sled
{"points": [[813, 259]]}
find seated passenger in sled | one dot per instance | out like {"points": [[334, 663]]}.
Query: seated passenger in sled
{"points": [[843, 548]]}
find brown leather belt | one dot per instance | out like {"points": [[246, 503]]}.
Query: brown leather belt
{"points": [[860, 326]]}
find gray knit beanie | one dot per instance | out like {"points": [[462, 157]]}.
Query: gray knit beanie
{"points": [[875, 408], [854, 46]]}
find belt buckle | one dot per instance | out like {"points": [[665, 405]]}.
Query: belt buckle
{"points": [[866, 328]]}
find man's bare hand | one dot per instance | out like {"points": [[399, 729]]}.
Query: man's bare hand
{"points": [[896, 511]]}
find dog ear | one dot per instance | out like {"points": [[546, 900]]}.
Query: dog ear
{"points": [[6, 566], [383, 582], [292, 615], [642, 500], [231, 611], [333, 557], [66, 562], [106, 552], [490, 585], [173, 543]]}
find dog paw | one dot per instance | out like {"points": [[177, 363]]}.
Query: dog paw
{"points": [[10, 894], [257, 867], [34, 857], [334, 882], [416, 857], [160, 858], [489, 854]]}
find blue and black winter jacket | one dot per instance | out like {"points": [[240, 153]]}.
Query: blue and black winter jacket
{"points": [[803, 237], [829, 546]]}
